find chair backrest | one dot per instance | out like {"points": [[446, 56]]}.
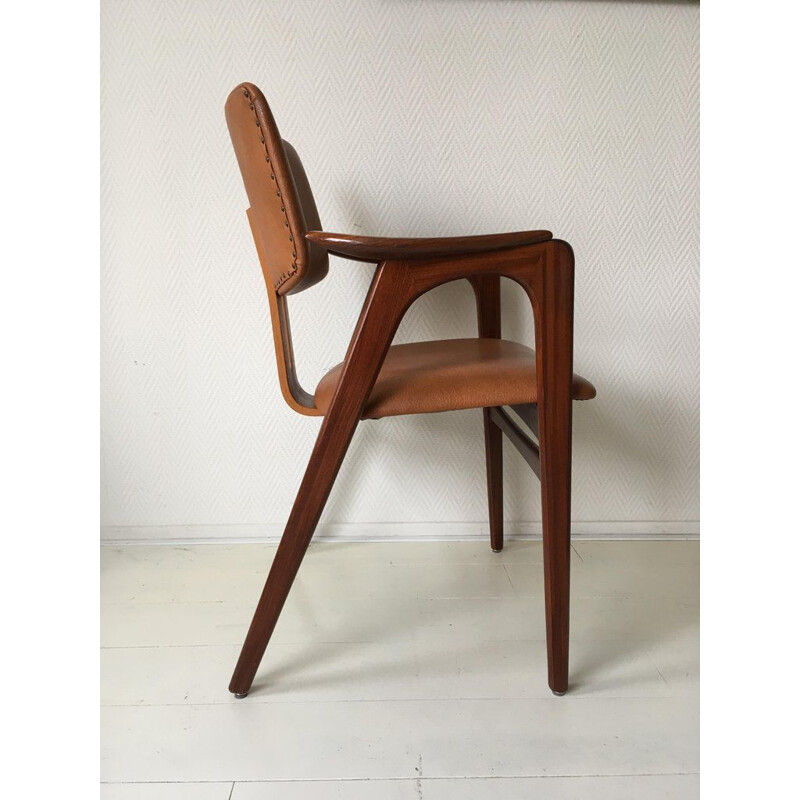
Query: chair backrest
{"points": [[282, 207]]}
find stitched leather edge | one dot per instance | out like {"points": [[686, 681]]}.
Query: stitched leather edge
{"points": [[293, 271]]}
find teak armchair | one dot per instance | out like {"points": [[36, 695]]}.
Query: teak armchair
{"points": [[377, 379]]}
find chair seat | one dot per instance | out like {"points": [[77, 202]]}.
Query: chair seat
{"points": [[450, 374]]}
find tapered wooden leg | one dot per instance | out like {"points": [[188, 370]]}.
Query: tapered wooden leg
{"points": [[487, 296], [493, 438], [322, 469], [556, 535], [554, 373], [373, 335]]}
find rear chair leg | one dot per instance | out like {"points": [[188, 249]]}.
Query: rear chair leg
{"points": [[487, 296], [493, 438]]}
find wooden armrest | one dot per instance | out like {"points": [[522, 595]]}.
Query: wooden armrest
{"points": [[379, 248]]}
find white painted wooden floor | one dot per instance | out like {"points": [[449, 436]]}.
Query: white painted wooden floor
{"points": [[400, 671]]}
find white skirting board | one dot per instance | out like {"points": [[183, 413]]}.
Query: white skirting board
{"points": [[392, 531]]}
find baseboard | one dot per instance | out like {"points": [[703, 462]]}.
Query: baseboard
{"points": [[391, 531]]}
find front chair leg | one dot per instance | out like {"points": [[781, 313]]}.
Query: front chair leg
{"points": [[556, 545], [323, 466], [373, 335], [554, 376]]}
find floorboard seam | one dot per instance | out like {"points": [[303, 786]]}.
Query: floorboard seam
{"points": [[417, 778]]}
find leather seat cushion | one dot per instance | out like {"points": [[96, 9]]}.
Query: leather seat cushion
{"points": [[450, 374]]}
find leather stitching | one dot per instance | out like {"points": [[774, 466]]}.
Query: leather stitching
{"points": [[293, 271]]}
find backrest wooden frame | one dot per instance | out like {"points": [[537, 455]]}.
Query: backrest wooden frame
{"points": [[294, 394]]}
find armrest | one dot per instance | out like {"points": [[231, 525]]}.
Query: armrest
{"points": [[378, 248]]}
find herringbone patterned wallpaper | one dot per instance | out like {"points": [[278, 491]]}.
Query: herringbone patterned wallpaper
{"points": [[413, 117]]}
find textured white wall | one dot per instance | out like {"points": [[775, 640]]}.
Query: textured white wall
{"points": [[413, 117]]}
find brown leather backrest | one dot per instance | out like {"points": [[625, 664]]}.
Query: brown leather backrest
{"points": [[282, 208]]}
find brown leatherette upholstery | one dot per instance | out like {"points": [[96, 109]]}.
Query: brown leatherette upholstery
{"points": [[281, 204], [451, 374]]}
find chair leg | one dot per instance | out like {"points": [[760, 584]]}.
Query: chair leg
{"points": [[556, 543], [554, 376], [380, 316], [487, 296], [493, 438], [320, 474]]}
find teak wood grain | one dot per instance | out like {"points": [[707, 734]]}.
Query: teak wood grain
{"points": [[377, 248]]}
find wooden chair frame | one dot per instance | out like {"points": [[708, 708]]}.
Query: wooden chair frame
{"points": [[406, 270]]}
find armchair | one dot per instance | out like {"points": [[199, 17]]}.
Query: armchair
{"points": [[378, 379]]}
